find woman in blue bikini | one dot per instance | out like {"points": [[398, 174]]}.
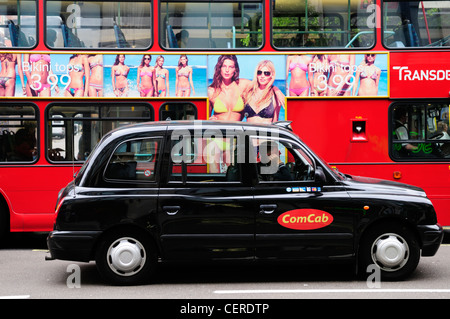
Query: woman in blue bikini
{"points": [[162, 77], [78, 69]]}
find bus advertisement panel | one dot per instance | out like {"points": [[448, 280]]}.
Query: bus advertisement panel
{"points": [[179, 75]]}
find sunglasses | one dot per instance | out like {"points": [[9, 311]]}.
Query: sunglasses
{"points": [[147, 58], [266, 73], [372, 55]]}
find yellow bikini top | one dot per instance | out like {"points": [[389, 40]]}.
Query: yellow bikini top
{"points": [[220, 107]]}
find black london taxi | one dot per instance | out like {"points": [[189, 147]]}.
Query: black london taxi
{"points": [[219, 191]]}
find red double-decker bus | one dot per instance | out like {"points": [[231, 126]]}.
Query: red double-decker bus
{"points": [[364, 83]]}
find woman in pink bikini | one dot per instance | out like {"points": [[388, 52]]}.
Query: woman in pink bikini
{"points": [[183, 81], [368, 76], [119, 76], [8, 73], [146, 78], [78, 69], [298, 66], [38, 72], [96, 78]]}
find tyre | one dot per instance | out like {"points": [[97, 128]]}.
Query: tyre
{"points": [[393, 248], [126, 257]]}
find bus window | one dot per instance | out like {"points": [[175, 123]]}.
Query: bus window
{"points": [[74, 130], [99, 24], [323, 23], [18, 23], [203, 24], [18, 138], [177, 111], [416, 23], [420, 131]]}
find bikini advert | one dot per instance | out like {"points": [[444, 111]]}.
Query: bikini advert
{"points": [[239, 87]]}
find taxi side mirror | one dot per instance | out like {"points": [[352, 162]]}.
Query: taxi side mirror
{"points": [[319, 175]]}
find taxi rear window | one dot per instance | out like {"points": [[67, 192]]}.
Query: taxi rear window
{"points": [[134, 160]]}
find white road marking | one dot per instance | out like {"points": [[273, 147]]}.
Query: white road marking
{"points": [[15, 297], [312, 291]]}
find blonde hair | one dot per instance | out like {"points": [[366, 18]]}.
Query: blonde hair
{"points": [[268, 90]]}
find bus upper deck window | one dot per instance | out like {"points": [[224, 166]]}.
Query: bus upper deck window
{"points": [[99, 24], [323, 23], [18, 23], [211, 25], [416, 24]]}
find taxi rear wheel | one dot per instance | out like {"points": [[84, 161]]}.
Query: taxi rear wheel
{"points": [[392, 248], [126, 257]]}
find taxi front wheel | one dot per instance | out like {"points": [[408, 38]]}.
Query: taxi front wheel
{"points": [[126, 257], [393, 248]]}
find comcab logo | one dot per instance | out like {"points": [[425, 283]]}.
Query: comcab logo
{"points": [[305, 219]]}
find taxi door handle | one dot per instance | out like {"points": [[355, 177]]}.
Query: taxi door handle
{"points": [[171, 210], [267, 209]]}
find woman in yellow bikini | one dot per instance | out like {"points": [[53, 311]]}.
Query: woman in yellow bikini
{"points": [[225, 101]]}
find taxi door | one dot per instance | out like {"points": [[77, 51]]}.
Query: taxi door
{"points": [[205, 206], [297, 217]]}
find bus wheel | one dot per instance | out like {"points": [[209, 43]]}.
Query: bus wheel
{"points": [[392, 248], [126, 257]]}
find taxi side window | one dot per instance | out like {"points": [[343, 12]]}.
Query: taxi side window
{"points": [[280, 161], [134, 160], [204, 160]]}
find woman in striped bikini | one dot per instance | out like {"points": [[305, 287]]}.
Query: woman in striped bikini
{"points": [[96, 78]]}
